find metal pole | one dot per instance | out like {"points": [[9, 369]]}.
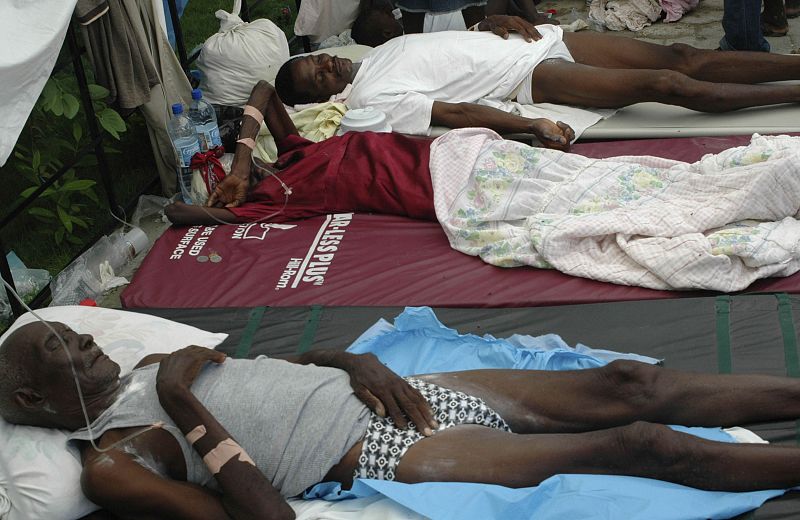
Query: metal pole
{"points": [[178, 31], [305, 39], [91, 121]]}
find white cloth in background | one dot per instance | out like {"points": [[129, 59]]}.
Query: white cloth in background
{"points": [[31, 35], [321, 19], [718, 224], [404, 76], [621, 15], [437, 22]]}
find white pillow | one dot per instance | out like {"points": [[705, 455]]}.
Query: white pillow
{"points": [[39, 475]]}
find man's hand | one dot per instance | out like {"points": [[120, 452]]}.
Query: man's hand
{"points": [[553, 135], [384, 392], [229, 193], [177, 372], [502, 25]]}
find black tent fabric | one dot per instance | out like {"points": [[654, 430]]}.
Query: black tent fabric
{"points": [[723, 334]]}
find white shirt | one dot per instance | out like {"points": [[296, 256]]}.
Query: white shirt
{"points": [[404, 76]]}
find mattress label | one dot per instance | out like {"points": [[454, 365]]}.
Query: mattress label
{"points": [[314, 266]]}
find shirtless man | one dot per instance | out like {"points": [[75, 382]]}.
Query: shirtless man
{"points": [[297, 425], [436, 79]]}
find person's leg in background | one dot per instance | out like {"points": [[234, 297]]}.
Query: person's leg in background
{"points": [[773, 19], [741, 22], [792, 8]]}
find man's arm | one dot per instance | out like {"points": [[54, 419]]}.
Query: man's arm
{"points": [[246, 492], [232, 191], [114, 481], [382, 390], [462, 115], [503, 25]]}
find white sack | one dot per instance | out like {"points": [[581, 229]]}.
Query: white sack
{"points": [[238, 56]]}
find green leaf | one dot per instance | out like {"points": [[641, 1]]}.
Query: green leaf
{"points": [[65, 219], [77, 131], [42, 212], [57, 106], [92, 195], [71, 105], [80, 222], [111, 121], [59, 236], [27, 192], [98, 92], [78, 185], [72, 239], [49, 94], [37, 159]]}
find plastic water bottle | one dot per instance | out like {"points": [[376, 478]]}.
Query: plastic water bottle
{"points": [[184, 140], [204, 120]]}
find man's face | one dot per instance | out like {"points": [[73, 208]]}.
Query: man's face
{"points": [[53, 378], [322, 75]]}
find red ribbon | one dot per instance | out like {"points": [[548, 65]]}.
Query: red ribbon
{"points": [[207, 163]]}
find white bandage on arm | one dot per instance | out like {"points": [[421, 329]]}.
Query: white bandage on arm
{"points": [[196, 434], [248, 142], [222, 453], [475, 27], [250, 110]]}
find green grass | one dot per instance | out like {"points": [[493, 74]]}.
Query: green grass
{"points": [[199, 22]]}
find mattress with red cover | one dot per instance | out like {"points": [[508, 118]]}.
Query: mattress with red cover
{"points": [[377, 260]]}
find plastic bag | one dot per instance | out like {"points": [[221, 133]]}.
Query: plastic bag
{"points": [[238, 56], [27, 282], [150, 207], [93, 273]]}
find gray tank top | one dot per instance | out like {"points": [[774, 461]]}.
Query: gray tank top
{"points": [[295, 421]]}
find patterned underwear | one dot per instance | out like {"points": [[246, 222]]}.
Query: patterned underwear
{"points": [[384, 444]]}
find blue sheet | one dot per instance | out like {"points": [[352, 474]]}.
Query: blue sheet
{"points": [[181, 6], [419, 343]]}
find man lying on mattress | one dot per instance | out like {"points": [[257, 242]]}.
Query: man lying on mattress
{"points": [[232, 438], [421, 80], [386, 173]]}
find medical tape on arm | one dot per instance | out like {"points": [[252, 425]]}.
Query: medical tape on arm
{"points": [[250, 110], [196, 434], [248, 142], [222, 453]]}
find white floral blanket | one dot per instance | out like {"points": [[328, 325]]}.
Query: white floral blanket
{"points": [[718, 224]]}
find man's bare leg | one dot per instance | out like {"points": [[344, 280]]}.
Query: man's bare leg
{"points": [[181, 214], [624, 392], [563, 82], [471, 453], [616, 52]]}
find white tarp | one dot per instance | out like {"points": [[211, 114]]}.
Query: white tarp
{"points": [[31, 34]]}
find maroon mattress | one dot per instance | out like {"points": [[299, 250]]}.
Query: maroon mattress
{"points": [[375, 260]]}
